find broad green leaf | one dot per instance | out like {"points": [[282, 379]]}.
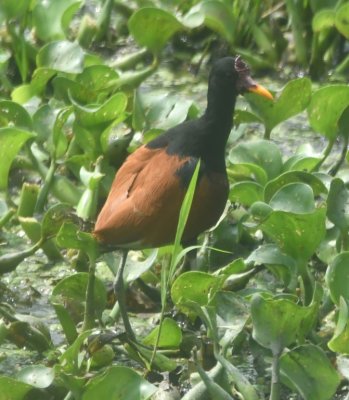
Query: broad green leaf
{"points": [[323, 19], [61, 56], [292, 177], [119, 382], [47, 18], [296, 197], [263, 153], [13, 389], [13, 114], [338, 204], [70, 360], [90, 116], [301, 162], [339, 343], [97, 78], [298, 235], [219, 18], [294, 99], [170, 337], [36, 375], [342, 18], [326, 107], [247, 171], [246, 193], [337, 277], [194, 286], [153, 27], [279, 263], [11, 141], [54, 218], [308, 370], [272, 326]]}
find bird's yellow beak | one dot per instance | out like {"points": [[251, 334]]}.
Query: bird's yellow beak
{"points": [[262, 91]]}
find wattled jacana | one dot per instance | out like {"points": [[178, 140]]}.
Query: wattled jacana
{"points": [[143, 205]]}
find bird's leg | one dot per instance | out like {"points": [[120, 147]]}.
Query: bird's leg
{"points": [[119, 289]]}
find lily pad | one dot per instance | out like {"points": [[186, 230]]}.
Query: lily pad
{"points": [[308, 370]]}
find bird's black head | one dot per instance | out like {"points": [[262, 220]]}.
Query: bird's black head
{"points": [[232, 75]]}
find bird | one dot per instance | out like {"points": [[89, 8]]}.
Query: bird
{"points": [[143, 205]]}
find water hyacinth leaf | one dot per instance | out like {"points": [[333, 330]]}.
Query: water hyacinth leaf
{"points": [[170, 337], [307, 370], [263, 153], [246, 193], [298, 235], [14, 389], [341, 20], [340, 340], [37, 375], [219, 18], [323, 19], [70, 293], [59, 138], [97, 78], [43, 121], [90, 116], [272, 326], [247, 171], [301, 162], [119, 382], [337, 276], [153, 27], [288, 177], [295, 197], [11, 141], [326, 107], [61, 56], [338, 204], [70, 360], [54, 218], [47, 18], [279, 263], [293, 99], [194, 286], [13, 114]]}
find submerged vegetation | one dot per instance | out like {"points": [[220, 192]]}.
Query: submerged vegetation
{"points": [[266, 313]]}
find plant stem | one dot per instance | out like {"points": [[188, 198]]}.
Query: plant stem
{"points": [[275, 378], [326, 154], [46, 187], [89, 316]]}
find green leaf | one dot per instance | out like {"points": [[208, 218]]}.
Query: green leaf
{"points": [[36, 375], [14, 9], [294, 99], [11, 140], [323, 19], [12, 113], [295, 197], [263, 153], [219, 18], [153, 27], [194, 286], [338, 204], [61, 56], [119, 383], [339, 343], [247, 171], [54, 218], [341, 20], [298, 235], [272, 326], [308, 370], [13, 389], [246, 193], [170, 337], [90, 116], [47, 18], [96, 78], [337, 276], [326, 107], [292, 177]]}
